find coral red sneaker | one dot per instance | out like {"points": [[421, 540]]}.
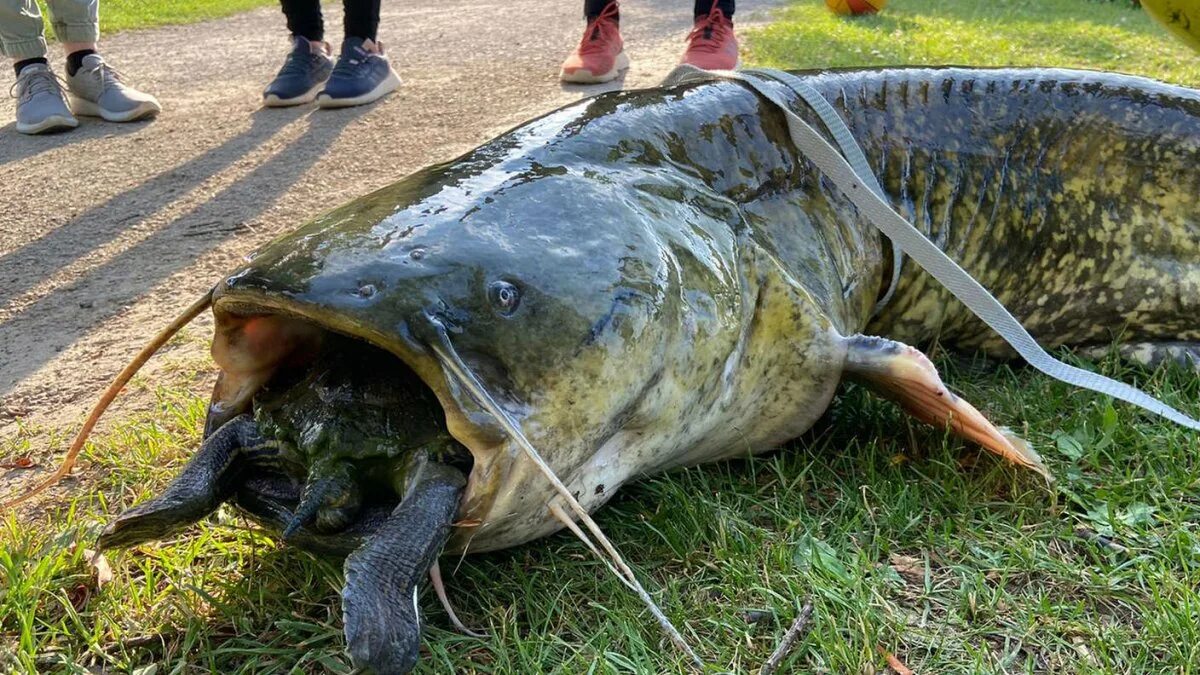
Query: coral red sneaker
{"points": [[600, 56], [712, 44]]}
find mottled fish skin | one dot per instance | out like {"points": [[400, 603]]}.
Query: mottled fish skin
{"points": [[687, 278], [1072, 196]]}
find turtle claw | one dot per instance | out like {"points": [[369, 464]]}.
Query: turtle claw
{"points": [[379, 602], [209, 479]]}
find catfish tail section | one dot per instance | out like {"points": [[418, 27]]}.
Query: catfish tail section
{"points": [[1070, 195], [118, 383]]}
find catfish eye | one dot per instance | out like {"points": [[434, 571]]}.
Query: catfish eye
{"points": [[504, 296]]}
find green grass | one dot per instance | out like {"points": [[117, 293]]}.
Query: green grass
{"points": [[1065, 33], [901, 537], [118, 15]]}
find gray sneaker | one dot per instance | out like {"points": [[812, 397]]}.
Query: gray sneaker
{"points": [[98, 90], [41, 105]]}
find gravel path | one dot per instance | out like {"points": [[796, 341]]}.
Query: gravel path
{"points": [[107, 231]]}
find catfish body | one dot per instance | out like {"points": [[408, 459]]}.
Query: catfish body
{"points": [[657, 278]]}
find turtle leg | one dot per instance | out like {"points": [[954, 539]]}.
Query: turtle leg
{"points": [[379, 602], [209, 478]]}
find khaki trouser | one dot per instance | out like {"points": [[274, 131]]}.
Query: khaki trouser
{"points": [[21, 25]]}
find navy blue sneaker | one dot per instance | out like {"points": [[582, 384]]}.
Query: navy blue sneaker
{"points": [[303, 73], [359, 77]]}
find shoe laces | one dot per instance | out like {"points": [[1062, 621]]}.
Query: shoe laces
{"points": [[711, 33], [297, 62], [348, 66], [107, 75], [36, 82], [600, 31]]}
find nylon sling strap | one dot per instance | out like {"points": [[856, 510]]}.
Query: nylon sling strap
{"points": [[860, 186], [852, 153]]}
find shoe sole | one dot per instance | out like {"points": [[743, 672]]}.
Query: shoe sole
{"points": [[736, 64], [273, 101], [382, 89], [143, 110], [582, 76], [51, 123]]}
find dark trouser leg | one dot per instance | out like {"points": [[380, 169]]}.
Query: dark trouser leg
{"points": [[379, 602], [304, 18], [362, 18], [208, 480], [703, 7], [593, 8]]}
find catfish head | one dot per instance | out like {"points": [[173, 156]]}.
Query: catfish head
{"points": [[566, 297]]}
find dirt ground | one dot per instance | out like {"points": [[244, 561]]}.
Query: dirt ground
{"points": [[109, 230]]}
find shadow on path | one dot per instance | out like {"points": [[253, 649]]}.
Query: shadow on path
{"points": [[15, 146], [130, 274], [31, 264]]}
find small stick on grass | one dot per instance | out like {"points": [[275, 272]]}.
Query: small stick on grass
{"points": [[135, 642], [793, 635], [1097, 538]]}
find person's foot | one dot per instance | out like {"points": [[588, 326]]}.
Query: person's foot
{"points": [[362, 75], [712, 44], [97, 90], [600, 56], [303, 74], [41, 104]]}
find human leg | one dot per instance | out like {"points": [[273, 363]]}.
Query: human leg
{"points": [[304, 18], [594, 8], [21, 35], [76, 23], [702, 8], [362, 18]]}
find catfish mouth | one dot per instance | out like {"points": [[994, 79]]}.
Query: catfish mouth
{"points": [[259, 338]]}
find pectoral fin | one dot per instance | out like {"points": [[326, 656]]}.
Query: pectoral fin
{"points": [[905, 375]]}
